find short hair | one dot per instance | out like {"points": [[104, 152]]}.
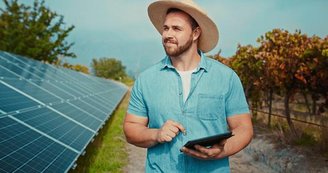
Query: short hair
{"points": [[192, 21]]}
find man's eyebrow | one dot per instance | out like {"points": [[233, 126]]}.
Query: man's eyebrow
{"points": [[173, 26]]}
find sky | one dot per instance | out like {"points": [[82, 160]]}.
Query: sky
{"points": [[121, 29]]}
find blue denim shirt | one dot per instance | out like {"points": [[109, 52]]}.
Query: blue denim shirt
{"points": [[215, 94]]}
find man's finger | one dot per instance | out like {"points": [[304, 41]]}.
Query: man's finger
{"points": [[179, 126], [168, 138], [202, 149], [194, 153], [171, 134], [174, 129], [222, 143], [211, 152]]}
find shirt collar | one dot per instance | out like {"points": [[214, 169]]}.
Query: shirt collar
{"points": [[166, 62]]}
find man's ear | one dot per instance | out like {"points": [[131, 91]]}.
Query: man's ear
{"points": [[196, 33]]}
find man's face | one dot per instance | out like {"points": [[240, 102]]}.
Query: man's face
{"points": [[177, 36]]}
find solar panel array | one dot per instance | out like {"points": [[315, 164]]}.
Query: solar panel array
{"points": [[48, 115]]}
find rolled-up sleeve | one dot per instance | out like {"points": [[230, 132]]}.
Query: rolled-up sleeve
{"points": [[236, 101], [137, 104]]}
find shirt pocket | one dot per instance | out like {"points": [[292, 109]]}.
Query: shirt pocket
{"points": [[210, 107]]}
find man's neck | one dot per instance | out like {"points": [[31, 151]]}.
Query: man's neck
{"points": [[189, 60]]}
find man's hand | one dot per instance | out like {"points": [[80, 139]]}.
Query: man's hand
{"points": [[204, 153], [138, 133], [242, 128], [169, 130]]}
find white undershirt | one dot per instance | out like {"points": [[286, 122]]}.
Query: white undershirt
{"points": [[185, 78]]}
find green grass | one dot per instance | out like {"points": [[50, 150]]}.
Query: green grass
{"points": [[305, 140], [107, 152]]}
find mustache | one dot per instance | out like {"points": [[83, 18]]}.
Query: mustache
{"points": [[170, 40]]}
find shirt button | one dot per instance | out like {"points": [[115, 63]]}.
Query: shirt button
{"points": [[180, 93]]}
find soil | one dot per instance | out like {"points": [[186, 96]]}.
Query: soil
{"points": [[137, 157], [264, 154]]}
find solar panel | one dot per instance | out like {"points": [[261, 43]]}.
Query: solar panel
{"points": [[49, 114], [10, 100], [25, 150]]}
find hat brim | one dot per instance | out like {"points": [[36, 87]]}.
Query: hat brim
{"points": [[209, 36]]}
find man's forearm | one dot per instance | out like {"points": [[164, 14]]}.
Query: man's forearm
{"points": [[140, 135], [242, 137]]}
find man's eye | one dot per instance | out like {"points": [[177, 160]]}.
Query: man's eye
{"points": [[177, 29]]}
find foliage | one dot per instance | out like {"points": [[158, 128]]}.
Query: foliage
{"points": [[77, 67], [283, 51], [35, 32], [283, 64], [218, 57], [246, 62], [109, 68]]}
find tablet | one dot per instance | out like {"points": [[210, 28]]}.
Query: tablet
{"points": [[208, 141]]}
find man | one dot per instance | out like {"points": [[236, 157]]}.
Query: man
{"points": [[186, 96]]}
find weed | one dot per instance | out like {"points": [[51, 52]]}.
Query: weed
{"points": [[305, 140]]}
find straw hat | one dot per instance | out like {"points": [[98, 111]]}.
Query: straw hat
{"points": [[210, 35]]}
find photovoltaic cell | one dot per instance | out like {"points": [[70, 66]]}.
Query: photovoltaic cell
{"points": [[11, 100], [20, 71], [79, 115], [33, 90], [4, 73], [24, 150], [96, 104], [49, 114], [65, 87], [57, 126], [51, 87], [90, 109]]}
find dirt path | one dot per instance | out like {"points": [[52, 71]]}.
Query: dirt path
{"points": [[262, 155], [136, 158]]}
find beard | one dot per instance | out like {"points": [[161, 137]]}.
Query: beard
{"points": [[177, 51]]}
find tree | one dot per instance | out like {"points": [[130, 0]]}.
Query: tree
{"points": [[223, 60], [77, 67], [109, 68], [250, 70], [315, 71], [284, 54], [35, 32]]}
